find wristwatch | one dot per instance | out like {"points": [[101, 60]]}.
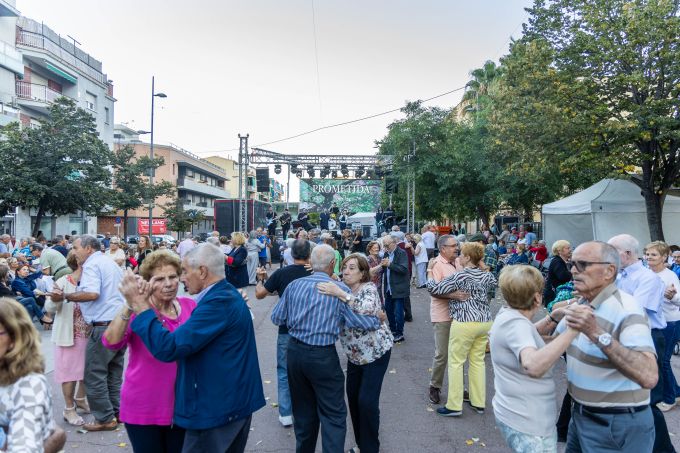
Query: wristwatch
{"points": [[348, 297], [604, 340]]}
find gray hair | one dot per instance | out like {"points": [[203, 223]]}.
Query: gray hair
{"points": [[5, 236], [206, 255], [609, 254], [322, 255], [461, 238], [187, 235], [213, 240], [626, 242], [87, 240], [252, 236], [443, 239]]}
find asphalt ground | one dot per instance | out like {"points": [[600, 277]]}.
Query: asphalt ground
{"points": [[409, 422]]}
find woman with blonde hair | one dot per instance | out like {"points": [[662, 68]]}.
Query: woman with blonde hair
{"points": [[558, 270], [656, 254], [26, 423], [471, 321], [70, 335], [148, 393], [521, 360], [237, 261]]}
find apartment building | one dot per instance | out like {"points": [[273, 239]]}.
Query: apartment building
{"points": [[37, 66], [199, 182], [231, 167]]}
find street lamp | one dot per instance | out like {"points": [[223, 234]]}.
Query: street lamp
{"points": [[154, 95]]}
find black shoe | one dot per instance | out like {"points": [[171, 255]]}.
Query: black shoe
{"points": [[444, 412], [479, 410], [399, 339], [466, 396], [435, 395], [409, 319]]}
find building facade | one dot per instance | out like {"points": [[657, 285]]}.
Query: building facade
{"points": [[230, 166], [39, 66], [199, 183]]}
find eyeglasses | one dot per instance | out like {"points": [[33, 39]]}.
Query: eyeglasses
{"points": [[4, 332], [581, 265]]}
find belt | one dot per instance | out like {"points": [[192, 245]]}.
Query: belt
{"points": [[59, 270], [100, 323], [590, 411], [295, 340]]}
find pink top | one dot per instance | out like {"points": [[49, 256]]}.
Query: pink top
{"points": [[148, 393], [439, 308]]}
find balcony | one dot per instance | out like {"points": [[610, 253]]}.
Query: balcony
{"points": [[199, 206], [201, 187], [35, 92]]}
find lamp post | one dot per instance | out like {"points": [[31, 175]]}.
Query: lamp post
{"points": [[154, 95]]}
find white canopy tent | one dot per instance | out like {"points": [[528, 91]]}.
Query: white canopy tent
{"points": [[367, 221], [603, 210]]}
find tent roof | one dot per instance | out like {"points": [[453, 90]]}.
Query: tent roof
{"points": [[607, 195]]}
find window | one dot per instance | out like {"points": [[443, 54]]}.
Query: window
{"points": [[91, 101], [190, 173], [107, 119]]}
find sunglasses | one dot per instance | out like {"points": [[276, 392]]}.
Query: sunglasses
{"points": [[581, 265]]}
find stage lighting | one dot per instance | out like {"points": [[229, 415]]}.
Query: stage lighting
{"points": [[359, 172], [277, 169], [310, 171], [334, 174]]}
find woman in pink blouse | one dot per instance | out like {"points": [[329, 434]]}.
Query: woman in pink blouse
{"points": [[368, 352], [148, 395]]}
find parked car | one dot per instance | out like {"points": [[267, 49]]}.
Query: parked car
{"points": [[164, 237]]}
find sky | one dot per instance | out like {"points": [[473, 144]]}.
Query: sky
{"points": [[276, 68]]}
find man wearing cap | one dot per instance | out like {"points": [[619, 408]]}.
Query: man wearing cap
{"points": [[116, 253], [52, 262]]}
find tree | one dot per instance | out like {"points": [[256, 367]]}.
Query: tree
{"points": [[477, 90], [179, 219], [130, 180], [60, 167], [617, 61]]}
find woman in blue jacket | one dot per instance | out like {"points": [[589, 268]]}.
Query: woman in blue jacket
{"points": [[25, 285], [236, 262]]}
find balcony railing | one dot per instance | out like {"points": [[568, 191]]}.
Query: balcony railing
{"points": [[35, 92]]}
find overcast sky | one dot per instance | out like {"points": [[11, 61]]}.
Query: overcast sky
{"points": [[275, 68]]}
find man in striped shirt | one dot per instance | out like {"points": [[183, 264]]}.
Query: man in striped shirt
{"points": [[315, 378], [611, 365]]}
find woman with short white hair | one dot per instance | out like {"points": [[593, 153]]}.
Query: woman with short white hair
{"points": [[558, 270]]}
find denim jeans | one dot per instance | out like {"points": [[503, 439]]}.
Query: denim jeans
{"points": [[285, 408], [670, 384], [625, 433], [520, 442], [395, 314], [421, 269], [34, 311]]}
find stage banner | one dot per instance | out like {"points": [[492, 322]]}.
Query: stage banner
{"points": [[159, 226], [355, 195]]}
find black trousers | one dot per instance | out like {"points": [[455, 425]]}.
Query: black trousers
{"points": [[363, 397], [155, 438], [316, 381], [284, 230], [662, 441]]}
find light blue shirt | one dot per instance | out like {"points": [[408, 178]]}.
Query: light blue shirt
{"points": [[3, 249], [101, 275], [198, 297], [647, 289], [530, 237], [390, 255]]}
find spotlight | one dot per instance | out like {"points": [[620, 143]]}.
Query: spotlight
{"points": [[359, 172], [310, 171], [277, 169], [334, 174], [378, 170], [298, 173], [293, 168]]}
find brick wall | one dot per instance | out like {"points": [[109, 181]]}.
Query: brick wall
{"points": [[107, 225]]}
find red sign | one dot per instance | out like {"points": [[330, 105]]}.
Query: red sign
{"points": [[159, 226]]}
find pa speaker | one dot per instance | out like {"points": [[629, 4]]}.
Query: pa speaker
{"points": [[262, 176]]}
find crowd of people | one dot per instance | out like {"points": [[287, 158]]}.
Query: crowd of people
{"points": [[612, 312]]}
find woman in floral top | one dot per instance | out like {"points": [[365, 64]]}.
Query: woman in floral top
{"points": [[374, 262], [368, 352]]}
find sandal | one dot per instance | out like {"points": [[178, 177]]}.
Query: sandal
{"points": [[71, 416], [83, 405]]}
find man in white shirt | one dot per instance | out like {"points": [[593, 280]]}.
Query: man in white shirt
{"points": [[186, 245], [428, 239]]}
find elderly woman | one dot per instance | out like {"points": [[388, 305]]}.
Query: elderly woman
{"points": [[70, 334], [368, 352], [524, 403], [148, 394], [253, 246], [24, 284], [520, 255], [236, 262], [558, 269], [26, 423], [471, 321], [29, 303], [656, 254]]}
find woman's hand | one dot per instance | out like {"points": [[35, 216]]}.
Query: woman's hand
{"points": [[331, 289], [136, 291]]}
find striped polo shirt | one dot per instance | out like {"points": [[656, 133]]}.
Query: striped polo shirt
{"points": [[592, 378]]}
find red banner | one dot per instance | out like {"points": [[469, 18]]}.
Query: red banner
{"points": [[159, 226]]}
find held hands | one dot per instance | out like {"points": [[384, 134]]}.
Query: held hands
{"points": [[582, 318], [385, 262], [670, 292], [261, 274], [136, 291], [57, 294]]}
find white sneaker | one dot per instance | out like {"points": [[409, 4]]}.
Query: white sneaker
{"points": [[664, 407], [286, 421]]}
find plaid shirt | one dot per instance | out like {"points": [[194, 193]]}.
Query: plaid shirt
{"points": [[490, 258]]}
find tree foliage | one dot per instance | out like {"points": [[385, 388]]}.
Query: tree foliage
{"points": [[58, 168], [131, 184], [179, 219]]}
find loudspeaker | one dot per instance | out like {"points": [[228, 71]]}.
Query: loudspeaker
{"points": [[391, 185], [262, 176]]}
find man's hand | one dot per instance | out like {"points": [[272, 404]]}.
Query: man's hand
{"points": [[670, 292], [431, 264], [382, 316], [261, 274], [385, 262], [57, 294], [582, 318], [459, 295], [136, 291]]}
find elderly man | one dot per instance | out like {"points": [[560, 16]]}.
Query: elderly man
{"points": [[59, 244], [396, 285], [611, 365], [444, 265], [186, 245], [4, 246], [218, 375], [51, 261], [300, 252], [648, 290], [315, 376], [100, 301], [116, 253], [23, 248]]}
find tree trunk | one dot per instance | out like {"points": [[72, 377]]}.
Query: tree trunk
{"points": [[654, 207], [38, 219], [483, 215], [125, 224]]}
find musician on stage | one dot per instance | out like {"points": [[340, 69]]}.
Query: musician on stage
{"points": [[343, 219], [335, 211], [271, 222], [324, 217], [285, 220], [303, 217]]}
